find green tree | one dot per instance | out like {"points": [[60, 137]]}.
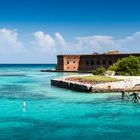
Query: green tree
{"points": [[100, 71], [127, 66]]}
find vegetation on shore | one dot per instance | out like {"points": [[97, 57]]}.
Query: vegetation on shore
{"points": [[100, 71], [99, 78], [127, 66], [93, 79]]}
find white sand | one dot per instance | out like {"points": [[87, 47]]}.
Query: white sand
{"points": [[128, 82]]}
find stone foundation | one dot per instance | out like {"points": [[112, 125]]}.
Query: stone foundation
{"points": [[96, 88], [71, 86]]}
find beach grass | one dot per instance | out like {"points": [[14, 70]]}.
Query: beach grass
{"points": [[98, 78]]}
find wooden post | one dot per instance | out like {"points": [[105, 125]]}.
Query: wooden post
{"points": [[124, 95], [135, 97]]}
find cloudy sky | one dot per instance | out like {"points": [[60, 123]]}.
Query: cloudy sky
{"points": [[35, 31]]}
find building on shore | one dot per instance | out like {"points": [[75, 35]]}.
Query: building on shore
{"points": [[87, 63]]}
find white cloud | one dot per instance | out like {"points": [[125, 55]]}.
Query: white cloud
{"points": [[131, 43], [89, 44], [11, 48], [59, 39], [9, 42], [102, 43], [50, 45], [95, 43], [45, 47], [44, 40]]}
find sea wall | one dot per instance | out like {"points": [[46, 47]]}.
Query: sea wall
{"points": [[71, 85], [129, 85], [80, 87]]}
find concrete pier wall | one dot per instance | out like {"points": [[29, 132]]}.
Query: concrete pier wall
{"points": [[97, 88], [70, 85]]}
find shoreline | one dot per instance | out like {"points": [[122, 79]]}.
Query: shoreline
{"points": [[53, 70], [128, 84]]}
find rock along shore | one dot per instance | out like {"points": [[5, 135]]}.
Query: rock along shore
{"points": [[129, 84]]}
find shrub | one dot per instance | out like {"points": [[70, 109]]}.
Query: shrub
{"points": [[127, 66], [100, 71]]}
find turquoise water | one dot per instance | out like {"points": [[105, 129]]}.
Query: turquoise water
{"points": [[53, 113]]}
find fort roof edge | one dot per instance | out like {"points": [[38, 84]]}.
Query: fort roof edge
{"points": [[97, 54]]}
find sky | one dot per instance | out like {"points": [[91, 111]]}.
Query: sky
{"points": [[35, 31]]}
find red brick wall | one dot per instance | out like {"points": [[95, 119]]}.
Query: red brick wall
{"points": [[87, 62], [71, 62]]}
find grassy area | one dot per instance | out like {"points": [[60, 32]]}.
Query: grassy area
{"points": [[98, 78]]}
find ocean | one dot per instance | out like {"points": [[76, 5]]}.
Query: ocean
{"points": [[54, 113]]}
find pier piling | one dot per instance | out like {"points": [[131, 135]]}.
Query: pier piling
{"points": [[124, 94], [135, 97]]}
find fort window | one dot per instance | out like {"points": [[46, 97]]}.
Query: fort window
{"points": [[92, 62], [98, 62], [104, 62], [74, 67], [73, 61], [68, 62], [67, 67], [87, 62], [110, 62]]}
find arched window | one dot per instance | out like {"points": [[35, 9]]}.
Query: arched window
{"points": [[67, 62], [92, 62], [87, 62], [104, 62], [110, 62], [98, 62]]}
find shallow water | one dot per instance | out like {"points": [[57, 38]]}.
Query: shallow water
{"points": [[54, 113]]}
